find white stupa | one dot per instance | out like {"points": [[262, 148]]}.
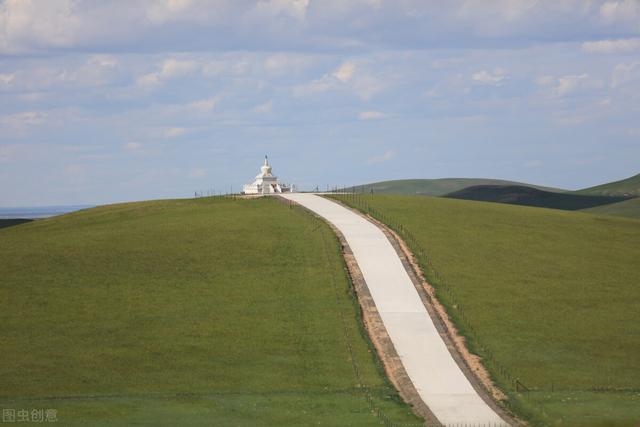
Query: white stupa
{"points": [[266, 183]]}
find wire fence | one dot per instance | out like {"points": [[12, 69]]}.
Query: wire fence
{"points": [[359, 198], [439, 282]]}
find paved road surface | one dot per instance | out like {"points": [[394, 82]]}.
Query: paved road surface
{"points": [[438, 379]]}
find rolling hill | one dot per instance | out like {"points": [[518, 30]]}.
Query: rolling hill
{"points": [[591, 200], [189, 313], [434, 187], [528, 196], [628, 208], [13, 221], [625, 187], [545, 296]]}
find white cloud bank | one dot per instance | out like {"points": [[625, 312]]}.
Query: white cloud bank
{"points": [[385, 157], [205, 25], [371, 115], [495, 78], [612, 46]]}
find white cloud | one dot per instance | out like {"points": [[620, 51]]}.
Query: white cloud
{"points": [[347, 77], [345, 72], [287, 63], [7, 79], [148, 80], [75, 170], [625, 73], [385, 157], [29, 24], [267, 107], [107, 61], [172, 68], [214, 68], [620, 10], [198, 173], [612, 46], [203, 105], [167, 10], [168, 69], [371, 115], [174, 132], [495, 78], [296, 9], [132, 146], [22, 121], [569, 84], [532, 164]]}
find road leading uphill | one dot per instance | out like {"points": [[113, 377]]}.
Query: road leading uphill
{"points": [[438, 379]]}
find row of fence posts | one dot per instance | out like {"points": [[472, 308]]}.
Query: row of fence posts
{"points": [[359, 201], [214, 195]]}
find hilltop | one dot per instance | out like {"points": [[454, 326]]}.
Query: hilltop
{"points": [[180, 312], [625, 187]]}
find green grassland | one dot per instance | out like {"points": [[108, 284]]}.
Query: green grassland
{"points": [[434, 187], [629, 186], [628, 208], [546, 296], [188, 312]]}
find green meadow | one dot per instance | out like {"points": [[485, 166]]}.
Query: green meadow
{"points": [[628, 208], [209, 311], [546, 297]]}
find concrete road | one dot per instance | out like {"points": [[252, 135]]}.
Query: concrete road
{"points": [[438, 379]]}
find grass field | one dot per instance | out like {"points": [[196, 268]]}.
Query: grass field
{"points": [[551, 297], [185, 312], [628, 208]]}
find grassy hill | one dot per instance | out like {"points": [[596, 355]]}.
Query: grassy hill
{"points": [[13, 221], [628, 208], [545, 296], [433, 187], [185, 312], [628, 187], [528, 196]]}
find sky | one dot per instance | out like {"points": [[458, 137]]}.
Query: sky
{"points": [[102, 102]]}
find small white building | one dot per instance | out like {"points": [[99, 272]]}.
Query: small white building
{"points": [[266, 183]]}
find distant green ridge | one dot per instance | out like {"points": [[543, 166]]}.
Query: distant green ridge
{"points": [[628, 208], [436, 187], [624, 187], [13, 221], [528, 196]]}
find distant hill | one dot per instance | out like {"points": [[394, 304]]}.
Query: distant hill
{"points": [[628, 187], [436, 187], [628, 208], [529, 196], [13, 221]]}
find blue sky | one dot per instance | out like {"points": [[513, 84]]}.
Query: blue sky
{"points": [[127, 100]]}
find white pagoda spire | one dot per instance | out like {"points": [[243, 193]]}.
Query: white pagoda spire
{"points": [[265, 182]]}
